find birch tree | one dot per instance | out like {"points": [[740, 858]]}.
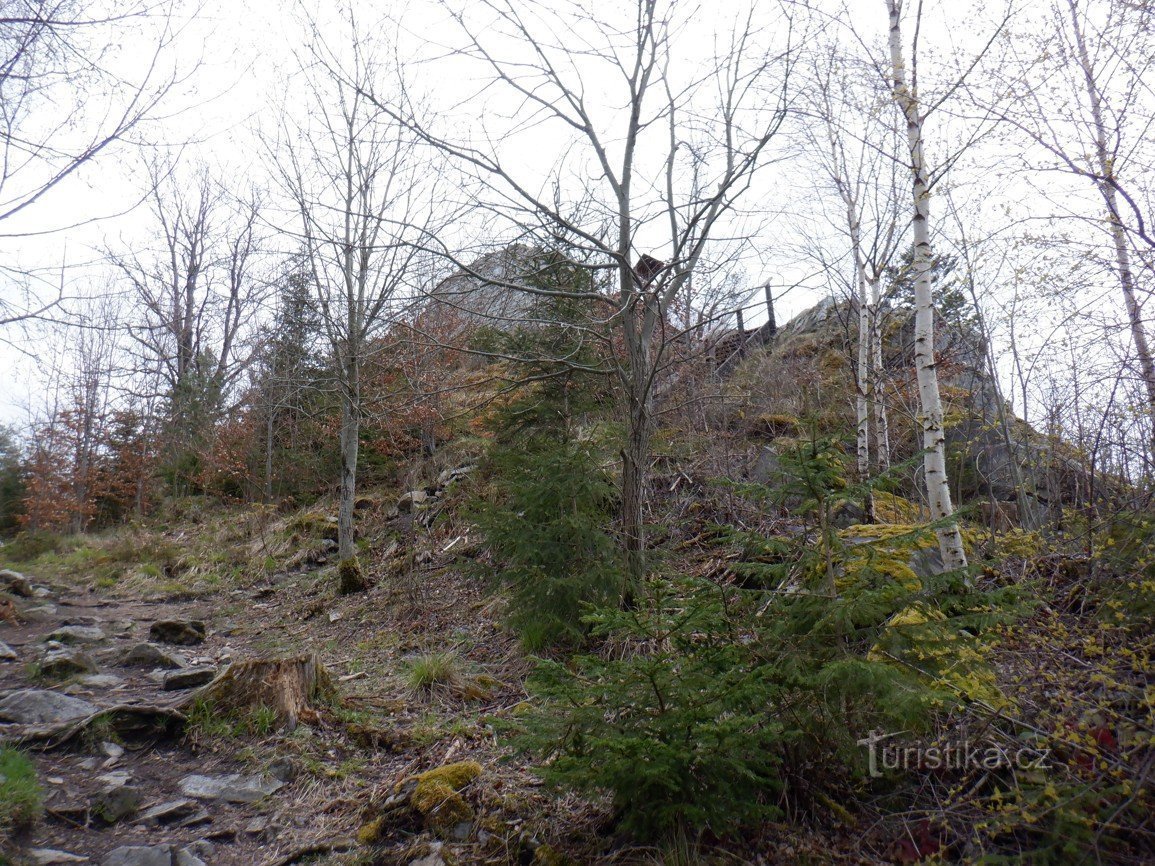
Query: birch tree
{"points": [[1082, 96], [855, 141], [906, 97]]}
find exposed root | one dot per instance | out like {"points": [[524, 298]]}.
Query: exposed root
{"points": [[125, 720]]}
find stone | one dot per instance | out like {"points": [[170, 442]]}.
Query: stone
{"points": [[258, 826], [7, 654], [283, 769], [112, 750], [77, 634], [117, 798], [51, 857], [41, 592], [169, 812], [433, 858], [59, 664], [100, 681], [42, 706], [194, 853], [188, 678], [411, 500], [139, 855], [15, 583], [181, 632], [233, 788], [147, 655]]}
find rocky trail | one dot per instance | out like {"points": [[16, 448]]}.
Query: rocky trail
{"points": [[141, 802]]}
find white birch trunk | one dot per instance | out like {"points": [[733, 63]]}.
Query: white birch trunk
{"points": [[931, 414], [1106, 175], [878, 382]]}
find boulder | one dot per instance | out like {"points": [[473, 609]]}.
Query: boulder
{"points": [[7, 654], [64, 662], [116, 798], [188, 678], [233, 788], [182, 632], [77, 634], [147, 655], [411, 500], [139, 855], [15, 583], [42, 706]]}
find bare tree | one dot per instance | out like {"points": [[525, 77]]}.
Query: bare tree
{"points": [[931, 415], [659, 157], [363, 199], [66, 98], [855, 141], [197, 291], [1083, 98]]}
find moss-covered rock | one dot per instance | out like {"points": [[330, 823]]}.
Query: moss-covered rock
{"points": [[436, 795]]}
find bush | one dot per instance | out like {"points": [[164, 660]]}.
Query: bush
{"points": [[27, 546]]}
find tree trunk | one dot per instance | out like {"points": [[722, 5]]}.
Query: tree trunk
{"points": [[635, 457], [269, 456], [350, 433], [1105, 183], [862, 394], [931, 414], [877, 383]]}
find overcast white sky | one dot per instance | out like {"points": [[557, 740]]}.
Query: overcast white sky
{"points": [[248, 59]]}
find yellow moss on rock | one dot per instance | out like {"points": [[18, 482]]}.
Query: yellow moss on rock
{"points": [[370, 831], [889, 508], [456, 776], [437, 795]]}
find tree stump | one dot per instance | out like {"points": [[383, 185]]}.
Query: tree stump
{"points": [[290, 686]]}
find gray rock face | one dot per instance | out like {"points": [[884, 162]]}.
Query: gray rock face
{"points": [[188, 678], [233, 788], [147, 655], [7, 654], [42, 706], [77, 634], [65, 662], [15, 583], [178, 631]]}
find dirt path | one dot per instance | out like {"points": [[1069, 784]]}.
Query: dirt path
{"points": [[104, 792]]}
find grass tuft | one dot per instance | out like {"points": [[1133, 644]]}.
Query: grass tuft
{"points": [[21, 798], [434, 672]]}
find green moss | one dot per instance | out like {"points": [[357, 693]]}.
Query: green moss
{"points": [[351, 578], [371, 831]]}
